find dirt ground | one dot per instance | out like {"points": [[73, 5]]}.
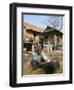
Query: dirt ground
{"points": [[28, 70]]}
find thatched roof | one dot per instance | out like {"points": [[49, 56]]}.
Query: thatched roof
{"points": [[33, 27]]}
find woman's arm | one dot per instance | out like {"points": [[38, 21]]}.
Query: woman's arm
{"points": [[42, 63]]}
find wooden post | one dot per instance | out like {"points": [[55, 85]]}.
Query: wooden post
{"points": [[55, 40]]}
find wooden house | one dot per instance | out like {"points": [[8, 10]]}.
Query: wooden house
{"points": [[31, 35], [53, 37]]}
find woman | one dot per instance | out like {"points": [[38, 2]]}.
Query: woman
{"points": [[39, 58]]}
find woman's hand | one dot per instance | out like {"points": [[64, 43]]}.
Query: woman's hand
{"points": [[42, 63]]}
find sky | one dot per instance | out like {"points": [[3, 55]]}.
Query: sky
{"points": [[42, 20]]}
